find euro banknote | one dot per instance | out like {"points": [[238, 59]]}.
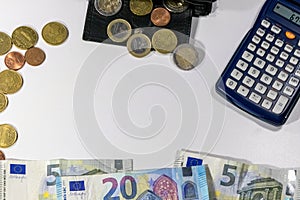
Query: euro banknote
{"points": [[185, 183], [25, 179], [231, 179]]}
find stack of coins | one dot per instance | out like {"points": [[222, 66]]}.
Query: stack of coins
{"points": [[24, 38]]}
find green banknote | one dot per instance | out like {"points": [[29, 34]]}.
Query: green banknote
{"points": [[39, 179], [231, 179]]}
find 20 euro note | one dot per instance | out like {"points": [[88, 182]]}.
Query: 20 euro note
{"points": [[157, 184], [39, 179], [230, 179]]}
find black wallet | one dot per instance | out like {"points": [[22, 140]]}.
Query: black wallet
{"points": [[96, 24]]}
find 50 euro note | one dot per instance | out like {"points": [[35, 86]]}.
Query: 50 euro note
{"points": [[185, 183], [39, 179], [231, 179]]}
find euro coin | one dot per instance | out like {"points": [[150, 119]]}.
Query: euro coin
{"points": [[14, 60], [108, 7], [141, 7], [10, 81], [164, 41], [119, 30], [2, 155], [5, 43], [55, 33], [8, 135], [175, 6], [160, 16], [186, 57], [24, 37], [3, 102], [139, 45], [35, 56]]}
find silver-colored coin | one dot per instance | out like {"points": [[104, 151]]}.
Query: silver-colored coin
{"points": [[119, 30], [108, 7], [175, 6], [139, 45]]}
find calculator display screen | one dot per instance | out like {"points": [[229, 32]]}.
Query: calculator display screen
{"points": [[287, 13]]}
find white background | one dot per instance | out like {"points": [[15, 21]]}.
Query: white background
{"points": [[43, 110]]}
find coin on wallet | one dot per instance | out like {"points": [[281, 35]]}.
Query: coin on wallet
{"points": [[108, 7], [175, 6], [139, 45], [119, 30]]}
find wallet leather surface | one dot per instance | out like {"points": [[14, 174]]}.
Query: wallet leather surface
{"points": [[95, 28]]}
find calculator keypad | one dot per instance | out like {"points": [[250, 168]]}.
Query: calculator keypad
{"points": [[267, 72]]}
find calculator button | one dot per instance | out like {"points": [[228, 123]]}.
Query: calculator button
{"points": [[294, 81], [275, 29], [260, 52], [280, 104], [275, 50], [297, 53], [271, 69], [247, 56], [243, 90], [265, 23], [256, 39], [298, 73], [254, 97], [294, 60], [284, 55], [266, 104], [282, 76], [290, 35], [236, 74], [279, 43], [272, 94], [270, 57], [270, 37], [248, 81], [253, 72], [288, 48], [242, 65], [288, 90], [279, 63], [260, 88], [266, 79], [260, 32], [289, 68], [277, 85], [265, 45], [251, 47], [259, 63], [231, 83]]}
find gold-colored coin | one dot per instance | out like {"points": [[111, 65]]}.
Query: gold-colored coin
{"points": [[139, 45], [3, 102], [108, 7], [141, 7], [164, 41], [24, 37], [55, 33], [119, 30], [8, 135], [5, 43], [10, 81], [186, 56]]}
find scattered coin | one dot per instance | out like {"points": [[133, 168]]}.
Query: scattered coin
{"points": [[2, 155], [5, 43], [35, 56], [175, 6], [141, 7], [186, 57], [10, 81], [139, 45], [160, 16], [8, 135], [108, 7], [24, 37], [3, 102], [14, 60], [119, 30], [164, 41], [55, 33]]}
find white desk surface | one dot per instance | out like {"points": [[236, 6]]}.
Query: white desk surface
{"points": [[90, 100]]}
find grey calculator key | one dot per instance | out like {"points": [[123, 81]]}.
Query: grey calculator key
{"points": [[279, 43], [297, 53], [294, 60], [256, 39], [243, 90], [266, 104], [251, 47], [265, 45], [288, 90], [270, 57], [260, 32], [260, 88], [236, 74], [272, 94], [270, 37], [279, 63], [283, 76], [280, 104], [266, 79], [294, 81], [248, 81], [274, 50], [253, 72], [247, 56], [288, 48], [265, 23], [297, 73], [275, 29], [255, 97], [259, 63], [289, 68], [242, 65], [271, 69], [284, 55], [277, 85], [260, 52], [231, 83]]}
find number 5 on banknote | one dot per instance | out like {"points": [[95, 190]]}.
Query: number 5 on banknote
{"points": [[229, 171]]}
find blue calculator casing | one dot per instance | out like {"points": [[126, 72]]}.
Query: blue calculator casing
{"points": [[243, 102]]}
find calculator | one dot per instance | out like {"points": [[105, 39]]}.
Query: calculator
{"points": [[263, 76]]}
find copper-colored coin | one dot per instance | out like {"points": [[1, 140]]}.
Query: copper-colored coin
{"points": [[2, 155], [35, 56], [14, 60], [160, 16]]}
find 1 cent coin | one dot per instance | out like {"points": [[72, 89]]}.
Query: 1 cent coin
{"points": [[35, 56], [2, 155], [14, 60], [8, 135], [160, 16]]}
